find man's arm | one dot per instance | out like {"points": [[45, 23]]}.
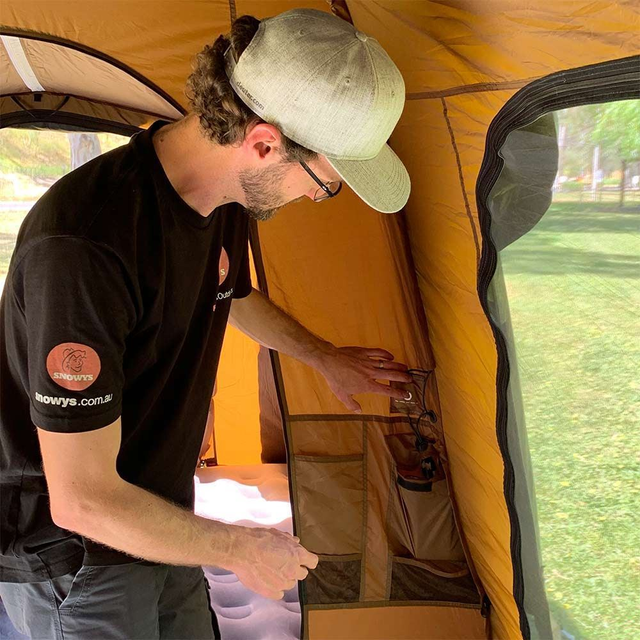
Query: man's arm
{"points": [[260, 319], [348, 370], [89, 497]]}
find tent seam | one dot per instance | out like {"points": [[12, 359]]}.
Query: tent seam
{"points": [[113, 105], [480, 87], [364, 538], [347, 417], [461, 176], [44, 117], [232, 11]]}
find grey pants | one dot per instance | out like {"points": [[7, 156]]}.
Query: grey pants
{"points": [[123, 602]]}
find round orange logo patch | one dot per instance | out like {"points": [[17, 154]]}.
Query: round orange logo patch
{"points": [[73, 366], [224, 266]]}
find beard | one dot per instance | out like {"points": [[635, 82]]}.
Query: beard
{"points": [[262, 193]]}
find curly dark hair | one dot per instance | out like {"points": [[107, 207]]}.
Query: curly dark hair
{"points": [[223, 116]]}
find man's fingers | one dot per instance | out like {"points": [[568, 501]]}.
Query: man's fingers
{"points": [[302, 573], [351, 404], [379, 353], [388, 366], [392, 392], [356, 408], [307, 559], [397, 375], [285, 534]]}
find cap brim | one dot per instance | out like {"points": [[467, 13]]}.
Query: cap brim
{"points": [[382, 182]]}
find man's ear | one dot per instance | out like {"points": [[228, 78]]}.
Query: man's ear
{"points": [[263, 141]]}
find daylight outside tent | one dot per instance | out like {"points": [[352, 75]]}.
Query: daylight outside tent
{"points": [[566, 217]]}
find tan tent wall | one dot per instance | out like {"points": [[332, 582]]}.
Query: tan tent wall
{"points": [[461, 60], [445, 246]]}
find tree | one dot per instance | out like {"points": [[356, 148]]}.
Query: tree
{"points": [[576, 125], [617, 128], [83, 147]]}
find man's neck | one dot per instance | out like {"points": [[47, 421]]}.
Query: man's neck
{"points": [[201, 171]]}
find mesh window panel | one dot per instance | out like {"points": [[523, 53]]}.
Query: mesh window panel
{"points": [[565, 218]]}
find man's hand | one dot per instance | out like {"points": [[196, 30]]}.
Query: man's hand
{"points": [[270, 562], [351, 370], [348, 370]]}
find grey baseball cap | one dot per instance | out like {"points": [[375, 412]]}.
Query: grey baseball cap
{"points": [[331, 89]]}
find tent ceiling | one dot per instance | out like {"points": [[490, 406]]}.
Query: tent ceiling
{"points": [[442, 48], [100, 89], [17, 57]]}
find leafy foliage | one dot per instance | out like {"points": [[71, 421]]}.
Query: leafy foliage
{"points": [[618, 128], [614, 126]]}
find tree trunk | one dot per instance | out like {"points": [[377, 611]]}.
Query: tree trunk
{"points": [[562, 136], [84, 147], [594, 173], [622, 181]]}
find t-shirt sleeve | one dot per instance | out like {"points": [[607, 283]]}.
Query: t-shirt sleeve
{"points": [[78, 310], [243, 286]]}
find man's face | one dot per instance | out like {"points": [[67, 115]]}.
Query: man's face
{"points": [[269, 189]]}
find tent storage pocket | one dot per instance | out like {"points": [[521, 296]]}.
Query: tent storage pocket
{"points": [[420, 520], [432, 581], [330, 493], [335, 579]]}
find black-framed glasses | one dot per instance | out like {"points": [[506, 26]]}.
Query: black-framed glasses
{"points": [[326, 190]]}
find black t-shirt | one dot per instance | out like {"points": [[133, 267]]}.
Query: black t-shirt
{"points": [[115, 304]]}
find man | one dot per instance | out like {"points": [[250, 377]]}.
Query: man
{"points": [[113, 318]]}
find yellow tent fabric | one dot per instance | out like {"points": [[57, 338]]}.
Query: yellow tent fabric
{"points": [[348, 273]]}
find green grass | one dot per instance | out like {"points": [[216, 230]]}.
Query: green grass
{"points": [[605, 196], [574, 291]]}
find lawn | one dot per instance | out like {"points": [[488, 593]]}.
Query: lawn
{"points": [[574, 291]]}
